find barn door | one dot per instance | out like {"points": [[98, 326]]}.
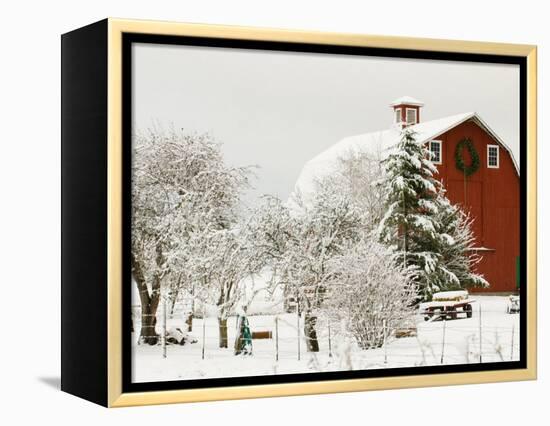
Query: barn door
{"points": [[470, 197]]}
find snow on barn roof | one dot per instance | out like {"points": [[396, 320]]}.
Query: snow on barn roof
{"points": [[377, 144], [407, 100]]}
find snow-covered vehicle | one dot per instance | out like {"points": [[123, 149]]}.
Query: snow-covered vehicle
{"points": [[447, 305], [513, 305]]}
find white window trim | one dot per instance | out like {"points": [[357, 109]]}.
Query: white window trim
{"points": [[400, 115], [415, 115], [439, 142], [498, 156]]}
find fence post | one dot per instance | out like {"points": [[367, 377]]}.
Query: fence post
{"points": [[512, 343], [443, 341], [385, 341], [298, 320], [329, 341], [480, 336], [203, 333], [276, 338], [164, 328]]}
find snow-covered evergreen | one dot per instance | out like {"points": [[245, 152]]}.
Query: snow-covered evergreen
{"points": [[420, 224]]}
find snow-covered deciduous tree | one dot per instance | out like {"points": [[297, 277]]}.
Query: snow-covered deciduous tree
{"points": [[220, 261], [321, 230], [356, 175], [182, 189], [369, 291], [230, 261], [268, 229]]}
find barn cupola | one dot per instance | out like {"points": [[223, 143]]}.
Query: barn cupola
{"points": [[406, 111]]}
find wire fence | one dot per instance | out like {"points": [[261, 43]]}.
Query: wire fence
{"points": [[434, 339]]}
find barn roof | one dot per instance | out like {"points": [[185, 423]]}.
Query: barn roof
{"points": [[377, 144]]}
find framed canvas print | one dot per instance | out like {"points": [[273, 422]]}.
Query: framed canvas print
{"points": [[254, 212]]}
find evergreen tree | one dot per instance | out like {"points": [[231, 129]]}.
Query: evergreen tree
{"points": [[411, 224], [428, 233]]}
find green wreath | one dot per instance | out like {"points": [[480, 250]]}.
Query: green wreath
{"points": [[470, 169]]}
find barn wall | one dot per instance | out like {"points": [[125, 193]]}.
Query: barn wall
{"points": [[492, 198]]}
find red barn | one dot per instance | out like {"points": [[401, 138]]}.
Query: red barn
{"points": [[491, 193]]}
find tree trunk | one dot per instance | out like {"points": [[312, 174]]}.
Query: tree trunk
{"points": [[310, 333], [148, 322], [239, 338], [191, 314], [189, 321], [222, 325], [149, 303]]}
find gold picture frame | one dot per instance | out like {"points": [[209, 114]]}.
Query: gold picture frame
{"points": [[114, 30]]}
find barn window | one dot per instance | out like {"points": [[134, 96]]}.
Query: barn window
{"points": [[411, 116], [398, 115], [492, 156], [435, 149]]}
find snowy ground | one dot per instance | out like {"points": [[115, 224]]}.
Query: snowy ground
{"points": [[449, 342]]}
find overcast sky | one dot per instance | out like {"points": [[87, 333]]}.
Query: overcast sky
{"points": [[280, 109]]}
